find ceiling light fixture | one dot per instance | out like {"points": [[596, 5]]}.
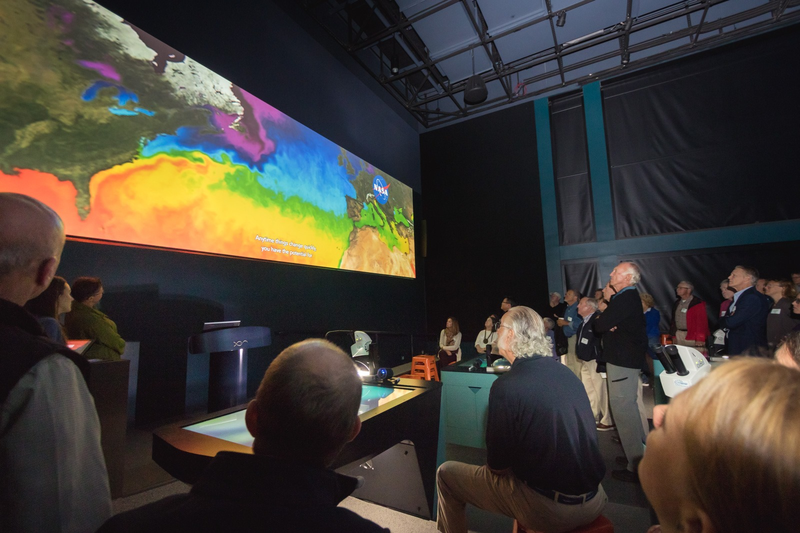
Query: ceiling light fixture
{"points": [[475, 90], [562, 19], [394, 64]]}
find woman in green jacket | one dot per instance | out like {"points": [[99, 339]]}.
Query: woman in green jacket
{"points": [[86, 322]]}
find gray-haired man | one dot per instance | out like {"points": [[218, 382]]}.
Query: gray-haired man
{"points": [[51, 464], [543, 462]]}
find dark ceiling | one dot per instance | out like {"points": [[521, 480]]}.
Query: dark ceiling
{"points": [[424, 52]]}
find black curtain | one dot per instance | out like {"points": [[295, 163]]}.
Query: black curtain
{"points": [[662, 272], [708, 141], [571, 169], [581, 276]]}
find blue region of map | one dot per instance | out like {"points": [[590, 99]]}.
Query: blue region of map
{"points": [[304, 164]]}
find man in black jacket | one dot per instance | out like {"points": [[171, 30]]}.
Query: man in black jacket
{"points": [[305, 411], [624, 332], [589, 350]]}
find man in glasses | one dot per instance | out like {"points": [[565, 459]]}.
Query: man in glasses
{"points": [[689, 324], [543, 463]]}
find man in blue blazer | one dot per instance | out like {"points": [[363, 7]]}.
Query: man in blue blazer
{"points": [[746, 319]]}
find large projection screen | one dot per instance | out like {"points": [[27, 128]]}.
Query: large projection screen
{"points": [[132, 142]]}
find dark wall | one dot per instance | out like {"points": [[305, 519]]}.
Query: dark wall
{"points": [[484, 218], [160, 298]]}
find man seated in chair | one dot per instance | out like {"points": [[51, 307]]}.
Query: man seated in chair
{"points": [[304, 413], [543, 462]]}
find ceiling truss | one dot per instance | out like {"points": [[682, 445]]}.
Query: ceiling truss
{"points": [[384, 41]]}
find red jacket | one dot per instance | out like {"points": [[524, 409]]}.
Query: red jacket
{"points": [[696, 319]]}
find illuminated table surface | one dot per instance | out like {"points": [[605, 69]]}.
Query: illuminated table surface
{"points": [[390, 415], [231, 427]]}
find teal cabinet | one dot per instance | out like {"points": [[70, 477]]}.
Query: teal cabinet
{"points": [[465, 402]]}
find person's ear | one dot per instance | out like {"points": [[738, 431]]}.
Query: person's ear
{"points": [[696, 520], [45, 272], [356, 430], [251, 418]]}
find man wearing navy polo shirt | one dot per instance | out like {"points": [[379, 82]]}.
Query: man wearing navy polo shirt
{"points": [[543, 463]]}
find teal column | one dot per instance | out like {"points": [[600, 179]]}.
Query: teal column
{"points": [[598, 162], [600, 176], [547, 185]]}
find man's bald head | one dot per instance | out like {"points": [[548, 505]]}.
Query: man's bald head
{"points": [[306, 407], [31, 242]]}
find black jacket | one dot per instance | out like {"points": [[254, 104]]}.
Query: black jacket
{"points": [[588, 346], [626, 345], [240, 492], [746, 322]]}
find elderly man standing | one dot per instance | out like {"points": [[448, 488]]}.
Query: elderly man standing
{"points": [[305, 411], [569, 325], [689, 321], [588, 350], [624, 332], [746, 320], [543, 462], [51, 464]]}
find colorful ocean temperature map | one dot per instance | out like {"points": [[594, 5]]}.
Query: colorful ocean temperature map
{"points": [[132, 142]]}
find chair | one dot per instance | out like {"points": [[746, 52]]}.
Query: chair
{"points": [[424, 366], [601, 524]]}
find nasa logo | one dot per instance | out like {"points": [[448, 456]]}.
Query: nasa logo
{"points": [[380, 189]]}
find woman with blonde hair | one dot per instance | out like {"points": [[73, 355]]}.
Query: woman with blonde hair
{"points": [[725, 454]]}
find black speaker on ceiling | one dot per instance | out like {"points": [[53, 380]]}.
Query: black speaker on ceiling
{"points": [[475, 91]]}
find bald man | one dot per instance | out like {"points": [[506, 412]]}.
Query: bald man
{"points": [[52, 472], [305, 411]]}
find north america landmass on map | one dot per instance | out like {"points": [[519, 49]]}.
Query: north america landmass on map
{"points": [[131, 141]]}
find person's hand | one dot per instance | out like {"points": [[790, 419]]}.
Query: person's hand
{"points": [[562, 322], [658, 414], [608, 292], [480, 349]]}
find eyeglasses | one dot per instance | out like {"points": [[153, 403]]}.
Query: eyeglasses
{"points": [[679, 288], [797, 300]]}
